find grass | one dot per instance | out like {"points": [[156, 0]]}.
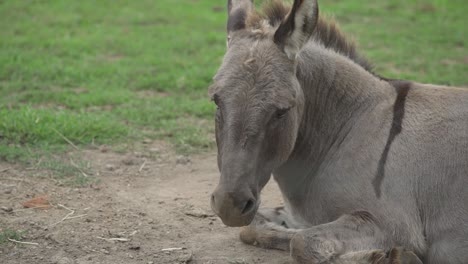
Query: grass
{"points": [[27, 125], [6, 234], [105, 72], [118, 71], [68, 172], [422, 40]]}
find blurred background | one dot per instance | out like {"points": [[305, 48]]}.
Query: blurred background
{"points": [[114, 71]]}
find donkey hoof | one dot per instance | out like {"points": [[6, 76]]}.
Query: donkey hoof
{"points": [[311, 251], [248, 235], [298, 248]]}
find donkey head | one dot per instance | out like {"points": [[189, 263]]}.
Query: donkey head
{"points": [[259, 102]]}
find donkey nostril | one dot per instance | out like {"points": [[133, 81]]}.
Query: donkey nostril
{"points": [[248, 206], [212, 199]]}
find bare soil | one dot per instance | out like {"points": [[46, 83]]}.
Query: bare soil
{"points": [[147, 207]]}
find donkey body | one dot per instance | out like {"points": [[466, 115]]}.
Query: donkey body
{"points": [[371, 170]]}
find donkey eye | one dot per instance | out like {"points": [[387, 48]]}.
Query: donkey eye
{"points": [[215, 99], [280, 113]]}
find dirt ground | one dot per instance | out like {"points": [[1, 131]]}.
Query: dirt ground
{"points": [[147, 207]]}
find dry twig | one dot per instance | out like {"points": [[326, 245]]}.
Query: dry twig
{"points": [[172, 249], [78, 216], [5, 170], [142, 165], [78, 168], [68, 216], [14, 179], [21, 242], [119, 239], [66, 139]]}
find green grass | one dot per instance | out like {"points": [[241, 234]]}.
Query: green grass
{"points": [[105, 72], [114, 71], [6, 234], [422, 40], [35, 126]]}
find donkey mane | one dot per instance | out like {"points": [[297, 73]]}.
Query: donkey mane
{"points": [[327, 31]]}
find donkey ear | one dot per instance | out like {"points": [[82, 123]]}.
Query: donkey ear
{"points": [[298, 26], [237, 14]]}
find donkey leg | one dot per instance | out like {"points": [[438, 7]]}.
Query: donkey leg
{"points": [[451, 248], [395, 256], [271, 228], [353, 238]]}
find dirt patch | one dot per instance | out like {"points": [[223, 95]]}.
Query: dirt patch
{"points": [[147, 207]]}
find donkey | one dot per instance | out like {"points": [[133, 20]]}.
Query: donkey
{"points": [[371, 170]]}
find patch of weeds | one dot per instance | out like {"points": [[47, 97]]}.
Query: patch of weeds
{"points": [[14, 153], [122, 148], [153, 112], [70, 173], [73, 173], [188, 135], [6, 234], [26, 125], [28, 154], [81, 180]]}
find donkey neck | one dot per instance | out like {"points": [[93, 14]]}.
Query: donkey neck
{"points": [[338, 93]]}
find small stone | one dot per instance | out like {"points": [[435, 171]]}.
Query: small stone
{"points": [[129, 161], [104, 148], [135, 247], [7, 209], [105, 251], [154, 150], [60, 258], [110, 167], [183, 160]]}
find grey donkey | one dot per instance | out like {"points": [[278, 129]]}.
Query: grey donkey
{"points": [[371, 170]]}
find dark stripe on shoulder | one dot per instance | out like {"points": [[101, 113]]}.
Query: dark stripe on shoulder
{"points": [[402, 88]]}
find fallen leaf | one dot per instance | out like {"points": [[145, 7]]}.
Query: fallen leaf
{"points": [[40, 202]]}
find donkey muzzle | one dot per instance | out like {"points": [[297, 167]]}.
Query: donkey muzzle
{"points": [[234, 208]]}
